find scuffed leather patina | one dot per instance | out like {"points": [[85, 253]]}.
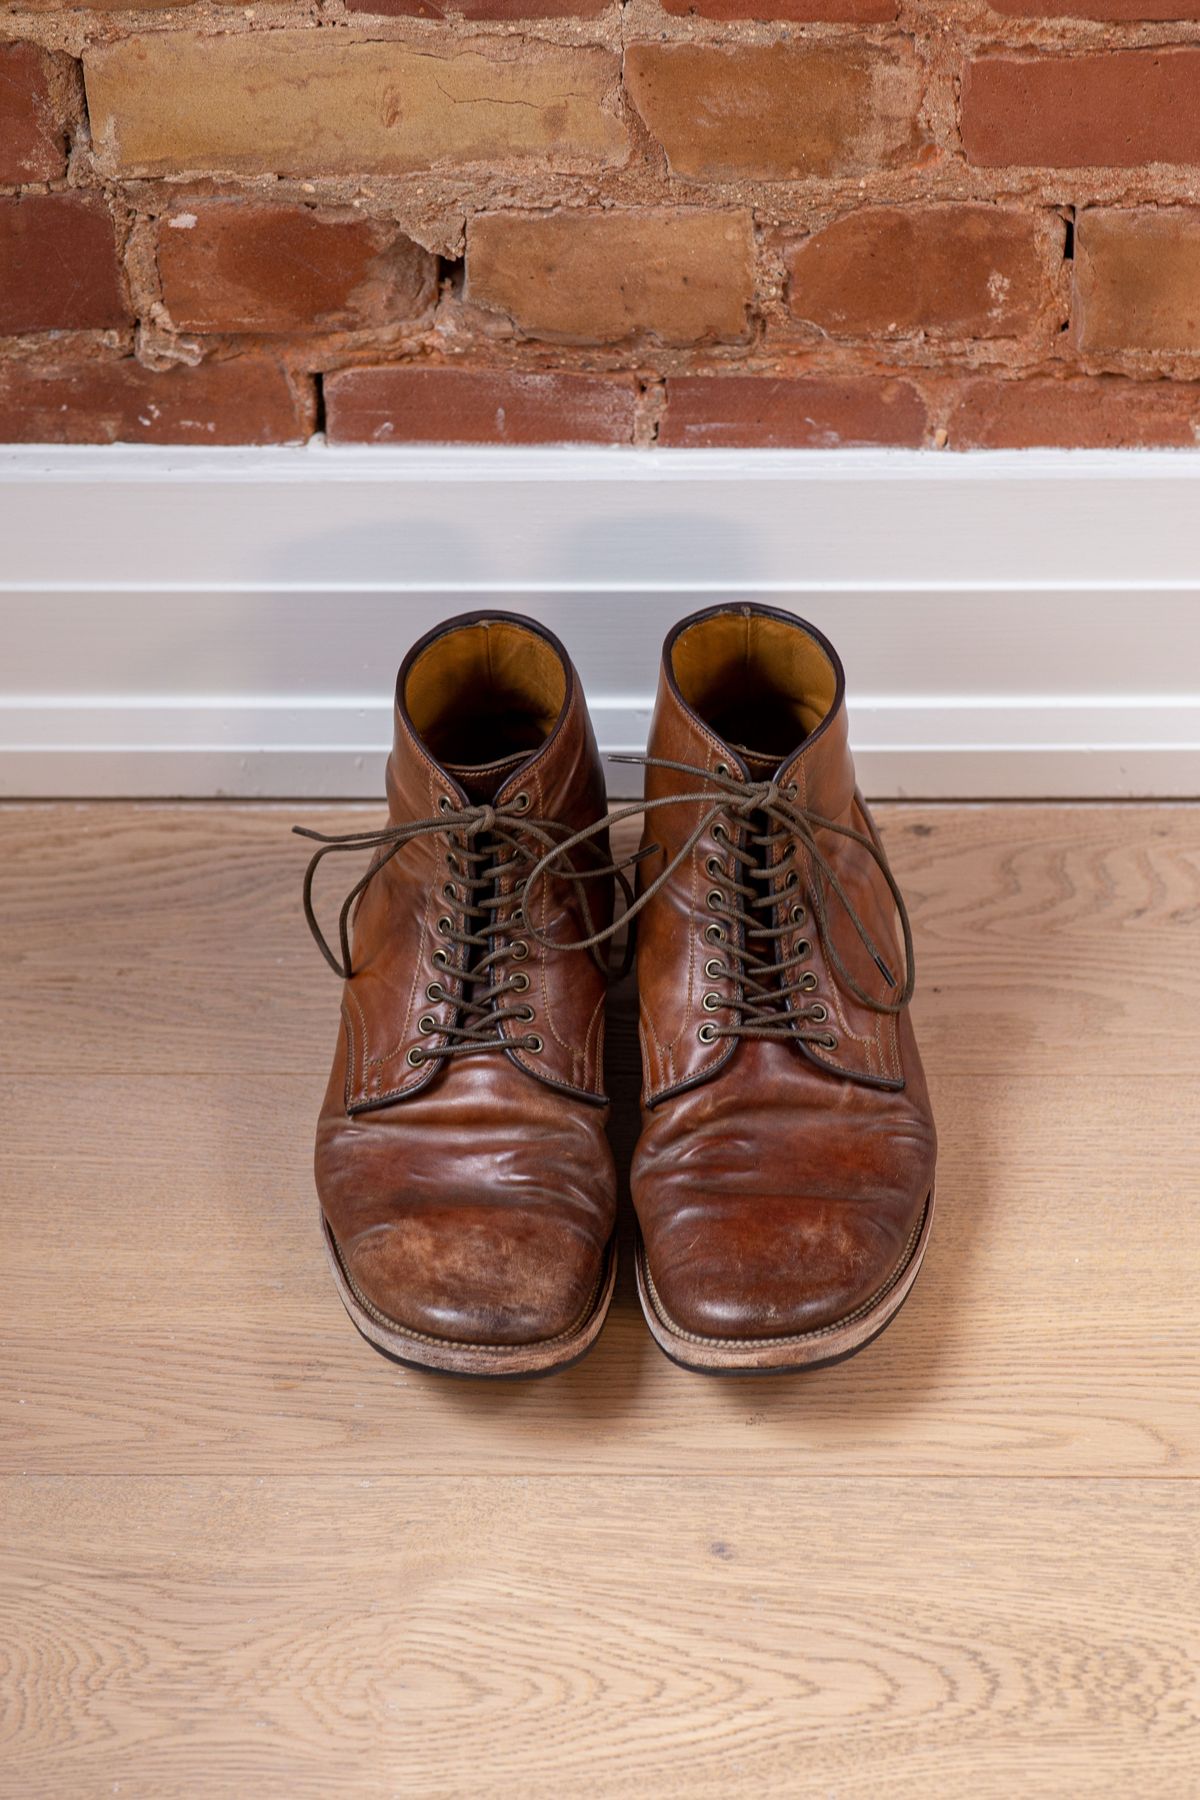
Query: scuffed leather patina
{"points": [[462, 1163], [783, 1178]]}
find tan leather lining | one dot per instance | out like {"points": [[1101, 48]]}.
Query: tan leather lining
{"points": [[760, 679], [491, 683]]}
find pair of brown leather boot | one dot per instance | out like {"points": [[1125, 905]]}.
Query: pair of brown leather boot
{"points": [[783, 1180]]}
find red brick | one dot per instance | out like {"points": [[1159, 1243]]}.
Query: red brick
{"points": [[683, 275], [1137, 279], [806, 412], [1098, 9], [1102, 412], [33, 139], [59, 255], [246, 401], [837, 12], [228, 265], [1115, 110], [468, 406], [775, 112], [481, 9], [943, 271]]}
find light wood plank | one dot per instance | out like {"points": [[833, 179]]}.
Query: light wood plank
{"points": [[569, 1638], [143, 938], [172, 1310]]}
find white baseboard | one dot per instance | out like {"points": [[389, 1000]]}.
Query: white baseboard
{"points": [[229, 622]]}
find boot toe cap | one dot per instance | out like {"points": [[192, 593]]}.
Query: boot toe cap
{"points": [[476, 1275], [788, 1267]]}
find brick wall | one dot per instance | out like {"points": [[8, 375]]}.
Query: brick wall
{"points": [[957, 223]]}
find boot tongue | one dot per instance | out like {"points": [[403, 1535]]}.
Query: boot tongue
{"points": [[761, 764], [481, 785]]}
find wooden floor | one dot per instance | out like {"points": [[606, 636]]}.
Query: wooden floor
{"points": [[242, 1555]]}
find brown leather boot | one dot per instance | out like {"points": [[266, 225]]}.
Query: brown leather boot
{"points": [[466, 1182], [784, 1176]]}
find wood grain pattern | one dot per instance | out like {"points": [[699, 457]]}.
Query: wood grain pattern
{"points": [[240, 1554], [467, 1636]]}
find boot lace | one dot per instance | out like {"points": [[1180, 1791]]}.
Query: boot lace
{"points": [[485, 930], [756, 906]]}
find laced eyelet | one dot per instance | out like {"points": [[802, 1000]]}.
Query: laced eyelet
{"points": [[808, 982], [520, 981], [519, 951], [714, 934], [715, 970], [444, 803], [803, 947], [520, 802], [449, 892], [435, 991], [798, 915], [445, 925], [828, 1042], [713, 866], [707, 1034], [818, 1012], [452, 864], [716, 899], [534, 1044], [518, 917], [711, 1002], [792, 879], [525, 1014], [721, 769], [720, 833], [426, 1023], [415, 1057], [440, 960], [791, 790]]}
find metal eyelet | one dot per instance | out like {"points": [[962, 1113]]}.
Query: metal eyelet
{"points": [[452, 864], [818, 1012], [715, 970], [798, 915], [808, 982], [440, 960], [716, 899], [520, 802], [525, 1014], [520, 981], [707, 1034], [791, 790], [721, 769], [445, 804], [534, 1045], [435, 991], [803, 947], [792, 879], [444, 925], [519, 951], [713, 866], [449, 892], [714, 934], [828, 1042], [415, 1057], [711, 1002], [518, 917], [720, 833], [426, 1023]]}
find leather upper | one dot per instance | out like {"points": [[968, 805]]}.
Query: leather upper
{"points": [[777, 1180], [472, 1198]]}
